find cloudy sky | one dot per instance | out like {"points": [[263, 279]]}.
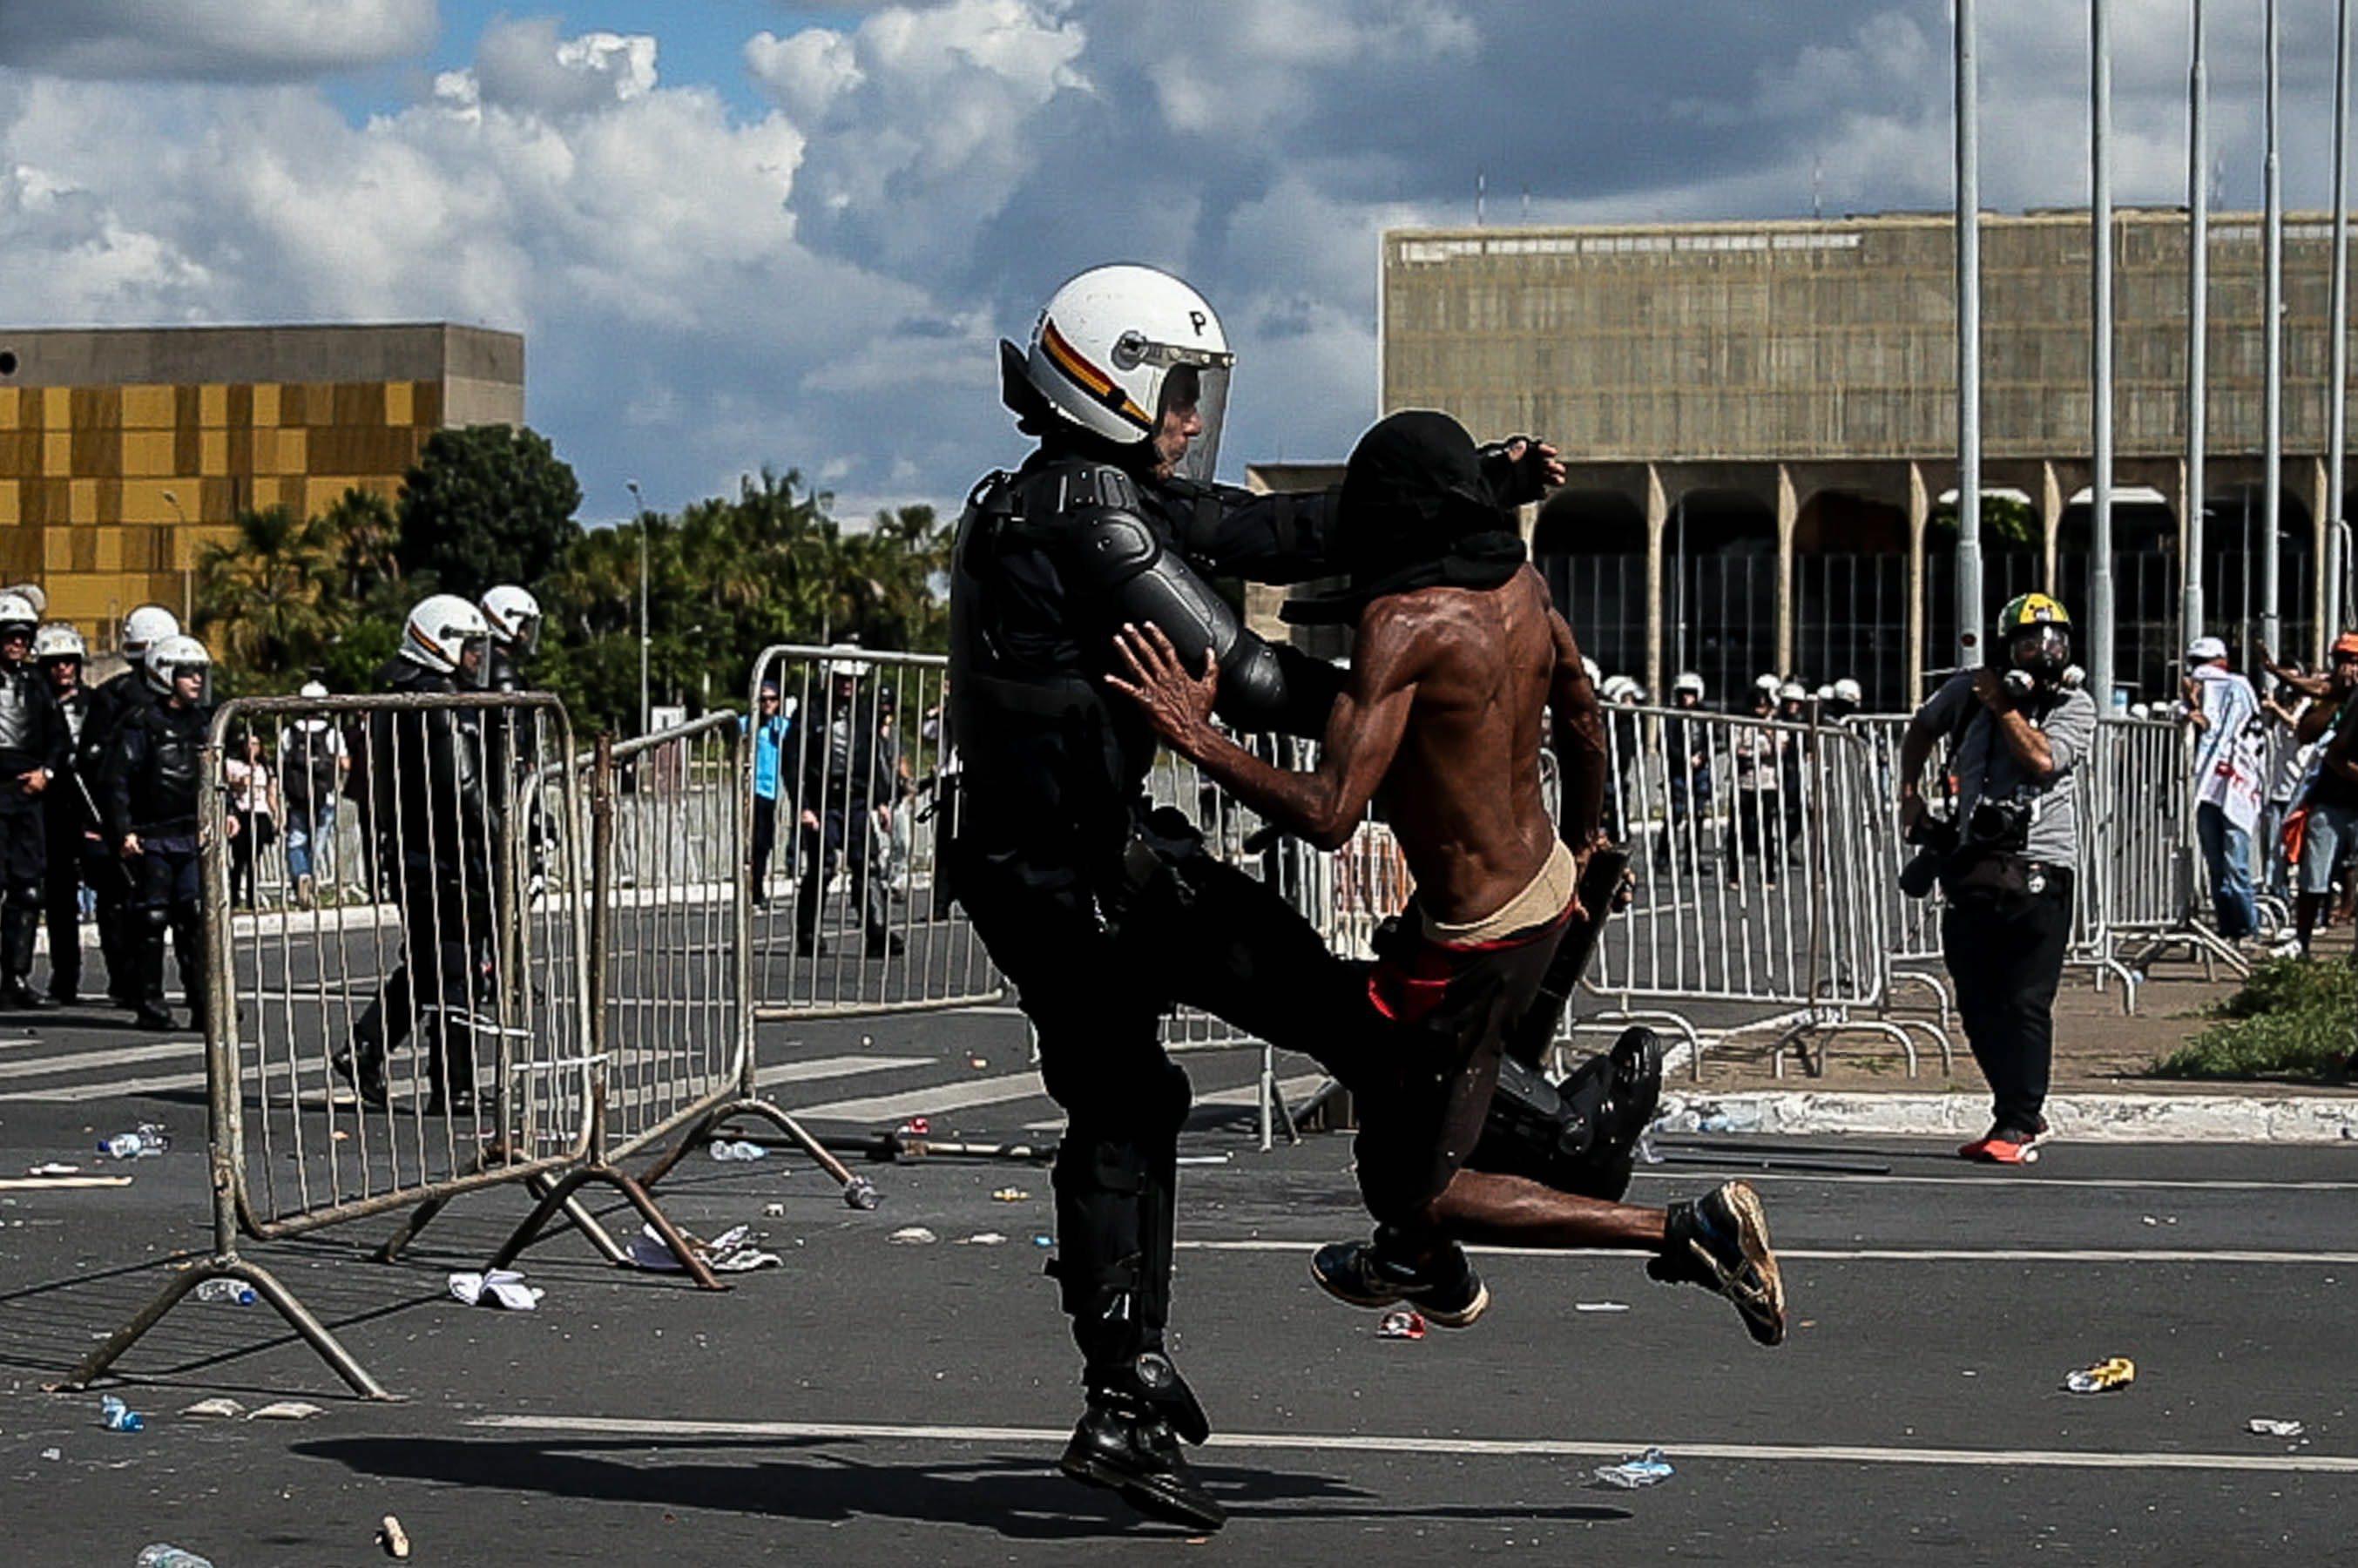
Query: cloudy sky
{"points": [[739, 232]]}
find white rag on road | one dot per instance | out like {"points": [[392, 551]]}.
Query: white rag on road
{"points": [[2229, 759]]}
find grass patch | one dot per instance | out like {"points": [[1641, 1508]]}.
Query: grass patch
{"points": [[2292, 1019]]}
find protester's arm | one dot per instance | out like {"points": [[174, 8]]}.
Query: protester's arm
{"points": [[1363, 732], [2307, 684]]}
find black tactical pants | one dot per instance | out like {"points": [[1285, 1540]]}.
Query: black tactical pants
{"points": [[167, 900], [23, 856]]}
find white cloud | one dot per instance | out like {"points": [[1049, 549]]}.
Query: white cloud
{"points": [[527, 66], [229, 40]]}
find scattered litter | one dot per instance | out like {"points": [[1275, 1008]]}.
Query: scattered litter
{"points": [[1044, 1241], [2261, 1426], [918, 1127], [730, 1252], [1405, 1323], [867, 1040], [53, 1168], [233, 1293], [738, 1148], [143, 1142], [982, 1238], [1202, 1158], [393, 1538], [287, 1409], [1648, 1152], [117, 1416], [860, 1193], [53, 1454], [500, 1287], [218, 1408], [1010, 1194], [2150, 1220], [773, 1211], [912, 1235], [2114, 1372], [1600, 1306], [339, 1136], [978, 1062], [1647, 1470], [164, 1554]]}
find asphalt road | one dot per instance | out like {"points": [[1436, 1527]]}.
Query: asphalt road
{"points": [[869, 1403]]}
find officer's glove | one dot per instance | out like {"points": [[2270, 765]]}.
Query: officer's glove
{"points": [[1516, 482]]}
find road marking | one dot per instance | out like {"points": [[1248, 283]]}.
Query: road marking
{"points": [[1860, 1254], [930, 1102], [1869, 1153], [1483, 1447], [92, 1060]]}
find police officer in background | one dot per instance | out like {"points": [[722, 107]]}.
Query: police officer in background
{"points": [[76, 840], [850, 777], [154, 783], [2017, 733], [1100, 907], [432, 813], [113, 700], [32, 751]]}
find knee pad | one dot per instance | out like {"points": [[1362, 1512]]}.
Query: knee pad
{"points": [[1579, 1136]]}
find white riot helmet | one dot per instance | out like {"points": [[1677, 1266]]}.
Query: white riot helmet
{"points": [[58, 640], [1616, 688], [439, 631], [144, 627], [177, 655], [32, 593], [514, 616], [1792, 691], [1118, 345], [312, 689], [17, 614], [1588, 668], [844, 662], [1688, 680], [1850, 691]]}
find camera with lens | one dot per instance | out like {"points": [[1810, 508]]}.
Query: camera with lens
{"points": [[1999, 826], [1935, 839]]}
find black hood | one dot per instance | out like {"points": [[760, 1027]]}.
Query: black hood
{"points": [[1414, 512]]}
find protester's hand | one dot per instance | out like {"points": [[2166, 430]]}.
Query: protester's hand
{"points": [[884, 818], [2268, 655], [34, 782], [1913, 810], [1177, 704], [810, 819], [131, 846], [1990, 686], [232, 826]]}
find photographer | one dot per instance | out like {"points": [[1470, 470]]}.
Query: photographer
{"points": [[2008, 858]]}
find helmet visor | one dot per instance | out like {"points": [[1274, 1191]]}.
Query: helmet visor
{"points": [[2043, 649], [1198, 395]]}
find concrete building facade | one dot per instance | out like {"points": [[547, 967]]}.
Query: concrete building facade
{"points": [[1760, 420], [124, 452]]}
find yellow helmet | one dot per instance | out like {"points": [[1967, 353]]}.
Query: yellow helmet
{"points": [[2034, 634]]}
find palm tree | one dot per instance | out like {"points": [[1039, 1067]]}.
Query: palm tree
{"points": [[266, 598]]}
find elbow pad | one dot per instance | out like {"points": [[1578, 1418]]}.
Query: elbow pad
{"points": [[1261, 687]]}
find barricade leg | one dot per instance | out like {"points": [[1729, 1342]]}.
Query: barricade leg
{"points": [[561, 1192], [425, 1214], [226, 1265], [858, 1191]]}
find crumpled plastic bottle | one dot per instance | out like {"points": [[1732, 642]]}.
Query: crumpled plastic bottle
{"points": [[1647, 1470], [147, 1141], [236, 1292], [117, 1416], [726, 1150], [163, 1554]]}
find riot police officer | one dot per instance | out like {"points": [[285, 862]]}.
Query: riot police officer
{"points": [[154, 781], [1103, 909], [850, 779], [110, 702], [514, 616], [76, 838], [31, 753], [432, 814]]}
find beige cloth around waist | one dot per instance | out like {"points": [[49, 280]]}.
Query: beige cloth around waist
{"points": [[1544, 897]]}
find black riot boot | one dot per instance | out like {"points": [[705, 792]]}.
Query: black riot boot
{"points": [[1123, 1444], [19, 920], [148, 991]]}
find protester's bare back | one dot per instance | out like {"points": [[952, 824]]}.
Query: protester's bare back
{"points": [[1463, 793]]}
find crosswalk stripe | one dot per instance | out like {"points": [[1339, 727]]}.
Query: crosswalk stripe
{"points": [[929, 1102], [91, 1060]]}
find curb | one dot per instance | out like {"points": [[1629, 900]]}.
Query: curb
{"points": [[2099, 1119]]}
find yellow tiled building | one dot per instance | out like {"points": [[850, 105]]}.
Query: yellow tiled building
{"points": [[123, 451]]}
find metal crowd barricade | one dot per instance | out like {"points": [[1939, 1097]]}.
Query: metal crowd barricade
{"points": [[1913, 924], [1758, 846], [2156, 894], [469, 975]]}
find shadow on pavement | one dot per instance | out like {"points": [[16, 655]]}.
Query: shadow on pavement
{"points": [[1020, 1498]]}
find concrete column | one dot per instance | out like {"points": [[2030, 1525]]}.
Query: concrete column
{"points": [[2321, 633], [1920, 515], [1789, 513], [1658, 522], [2050, 523], [1527, 521]]}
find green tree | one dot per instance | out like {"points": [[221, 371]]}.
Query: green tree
{"points": [[264, 596], [484, 505], [2005, 520]]}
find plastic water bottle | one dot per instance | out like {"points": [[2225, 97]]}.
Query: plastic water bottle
{"points": [[145, 1143], [232, 1291], [1647, 1470], [723, 1149], [164, 1555], [117, 1416]]}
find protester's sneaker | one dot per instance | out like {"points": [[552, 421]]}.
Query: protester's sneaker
{"points": [[2006, 1146], [1449, 1292], [367, 1079], [1121, 1445], [1720, 1242]]}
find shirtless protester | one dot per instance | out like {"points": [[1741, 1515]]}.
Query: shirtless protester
{"points": [[1458, 654]]}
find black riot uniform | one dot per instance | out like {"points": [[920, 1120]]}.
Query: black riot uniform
{"points": [[433, 813], [154, 782], [32, 741], [113, 701], [78, 851], [850, 769]]}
